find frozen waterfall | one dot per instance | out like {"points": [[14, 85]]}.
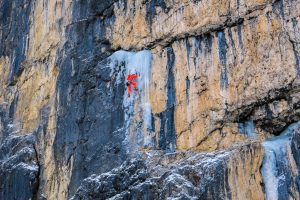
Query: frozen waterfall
{"points": [[278, 165], [138, 102]]}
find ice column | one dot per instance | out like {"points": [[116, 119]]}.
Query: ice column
{"points": [[141, 63], [278, 164]]}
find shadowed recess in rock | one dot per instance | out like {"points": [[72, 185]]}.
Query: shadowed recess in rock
{"points": [[188, 51], [237, 5], [14, 33], [167, 133], [232, 44], [198, 51], [240, 42], [278, 8], [208, 40], [222, 48], [151, 6], [187, 88]]}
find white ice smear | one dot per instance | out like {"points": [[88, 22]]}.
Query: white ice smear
{"points": [[276, 150], [141, 63]]}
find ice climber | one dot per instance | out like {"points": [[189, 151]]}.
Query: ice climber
{"points": [[131, 80]]}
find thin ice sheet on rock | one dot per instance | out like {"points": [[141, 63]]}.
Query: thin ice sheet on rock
{"points": [[247, 128]]}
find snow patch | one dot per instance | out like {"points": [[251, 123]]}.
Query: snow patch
{"points": [[28, 167]]}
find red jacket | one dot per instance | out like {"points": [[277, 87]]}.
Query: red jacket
{"points": [[131, 77]]}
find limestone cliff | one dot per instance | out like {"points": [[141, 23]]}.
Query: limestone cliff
{"points": [[216, 114]]}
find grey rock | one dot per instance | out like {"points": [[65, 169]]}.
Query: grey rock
{"points": [[155, 175], [19, 169]]}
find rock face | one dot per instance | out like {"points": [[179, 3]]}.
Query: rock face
{"points": [[19, 168], [183, 175], [217, 80]]}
